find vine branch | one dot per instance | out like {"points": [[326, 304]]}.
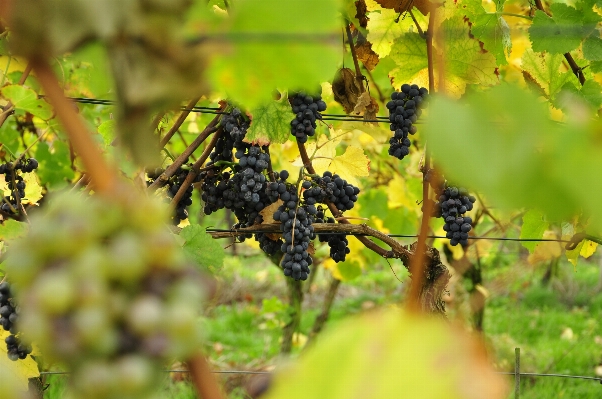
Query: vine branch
{"points": [[178, 122], [358, 73], [402, 253], [103, 178], [195, 170], [205, 382], [211, 128]]}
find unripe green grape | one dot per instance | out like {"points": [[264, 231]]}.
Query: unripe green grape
{"points": [[127, 258], [55, 291], [135, 374], [116, 307], [145, 315], [93, 326], [95, 379]]}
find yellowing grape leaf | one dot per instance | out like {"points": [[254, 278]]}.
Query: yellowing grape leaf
{"points": [[545, 251], [351, 164], [33, 190], [399, 195], [18, 372], [543, 70], [588, 248], [465, 61], [391, 354], [327, 150], [568, 230], [383, 31]]}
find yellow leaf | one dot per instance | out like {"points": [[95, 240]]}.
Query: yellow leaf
{"points": [[391, 354], [33, 190], [17, 372], [379, 225], [397, 193], [545, 251], [588, 249], [351, 164], [457, 251], [324, 155], [331, 265]]}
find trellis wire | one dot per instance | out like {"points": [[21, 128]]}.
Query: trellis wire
{"points": [[397, 235], [215, 110]]}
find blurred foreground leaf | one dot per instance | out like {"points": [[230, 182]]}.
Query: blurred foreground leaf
{"points": [[504, 144], [277, 44], [391, 355]]}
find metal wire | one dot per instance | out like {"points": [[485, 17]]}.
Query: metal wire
{"points": [[172, 371], [581, 377], [397, 235]]}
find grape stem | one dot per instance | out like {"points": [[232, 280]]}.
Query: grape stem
{"points": [[358, 73], [169, 172], [103, 177], [398, 250], [178, 122], [196, 169], [204, 381]]}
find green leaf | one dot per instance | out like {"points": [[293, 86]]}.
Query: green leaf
{"points": [[590, 93], [595, 66], [277, 44], [9, 137], [203, 249], [409, 55], [349, 270], [592, 48], [534, 225], [27, 100], [55, 165], [107, 131], [12, 229], [489, 28], [559, 34], [384, 32], [465, 61], [494, 32], [544, 71], [517, 154], [270, 122]]}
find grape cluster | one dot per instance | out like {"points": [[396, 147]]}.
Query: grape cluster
{"points": [[8, 308], [452, 204], [338, 243], [16, 183], [173, 186], [15, 349], [331, 188], [297, 231], [404, 109], [307, 111], [114, 305]]}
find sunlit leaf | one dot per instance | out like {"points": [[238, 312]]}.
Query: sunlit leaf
{"points": [[27, 100], [544, 71], [534, 225], [277, 44], [387, 354], [11, 229], [548, 160]]}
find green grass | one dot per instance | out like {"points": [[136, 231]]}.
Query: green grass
{"points": [[242, 334]]}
